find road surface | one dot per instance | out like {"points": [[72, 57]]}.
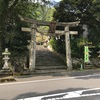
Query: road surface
{"points": [[63, 88]]}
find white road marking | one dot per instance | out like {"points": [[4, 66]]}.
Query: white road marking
{"points": [[66, 95], [46, 80]]}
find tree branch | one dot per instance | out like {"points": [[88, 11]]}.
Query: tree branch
{"points": [[13, 5]]}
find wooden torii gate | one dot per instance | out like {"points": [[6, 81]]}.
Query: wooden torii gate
{"points": [[35, 23]]}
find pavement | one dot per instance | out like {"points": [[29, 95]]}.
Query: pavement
{"points": [[48, 84], [56, 75]]}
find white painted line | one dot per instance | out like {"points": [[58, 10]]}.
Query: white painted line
{"points": [[66, 95], [46, 80]]}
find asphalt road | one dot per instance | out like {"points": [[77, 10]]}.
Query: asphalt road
{"points": [[65, 88]]}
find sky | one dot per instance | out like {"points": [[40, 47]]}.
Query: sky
{"points": [[50, 0], [56, 0]]}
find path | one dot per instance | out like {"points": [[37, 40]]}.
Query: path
{"points": [[48, 62]]}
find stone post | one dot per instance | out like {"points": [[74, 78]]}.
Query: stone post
{"points": [[68, 48], [32, 50]]}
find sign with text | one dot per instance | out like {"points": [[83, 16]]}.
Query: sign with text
{"points": [[26, 29], [86, 54], [63, 32]]}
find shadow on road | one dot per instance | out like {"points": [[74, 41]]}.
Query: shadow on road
{"points": [[33, 94]]}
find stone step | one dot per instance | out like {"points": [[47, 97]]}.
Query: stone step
{"points": [[47, 60], [89, 66], [4, 73], [50, 71], [48, 64], [45, 72], [50, 67]]}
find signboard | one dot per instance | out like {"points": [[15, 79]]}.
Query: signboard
{"points": [[63, 32], [26, 29], [86, 54], [73, 32]]}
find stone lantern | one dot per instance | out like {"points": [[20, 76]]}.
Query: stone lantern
{"points": [[6, 54]]}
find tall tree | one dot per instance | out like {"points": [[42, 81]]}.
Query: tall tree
{"points": [[87, 11], [71, 10], [9, 22]]}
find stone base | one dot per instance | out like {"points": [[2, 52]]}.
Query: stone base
{"points": [[5, 73]]}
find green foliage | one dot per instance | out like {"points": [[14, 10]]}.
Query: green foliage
{"points": [[43, 12], [58, 45], [53, 43], [77, 46], [88, 13], [71, 10], [93, 36], [11, 36], [10, 25]]}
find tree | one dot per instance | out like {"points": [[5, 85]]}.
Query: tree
{"points": [[11, 35], [72, 10], [7, 19], [87, 12], [9, 22]]}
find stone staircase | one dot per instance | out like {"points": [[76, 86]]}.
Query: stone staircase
{"points": [[48, 62]]}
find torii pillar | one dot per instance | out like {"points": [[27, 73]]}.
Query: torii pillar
{"points": [[68, 48], [32, 54]]}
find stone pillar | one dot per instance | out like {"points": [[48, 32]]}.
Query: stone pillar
{"points": [[68, 48], [32, 50]]}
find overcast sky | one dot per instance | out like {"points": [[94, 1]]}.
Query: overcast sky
{"points": [[56, 0]]}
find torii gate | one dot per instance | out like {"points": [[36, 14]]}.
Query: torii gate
{"points": [[66, 26]]}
